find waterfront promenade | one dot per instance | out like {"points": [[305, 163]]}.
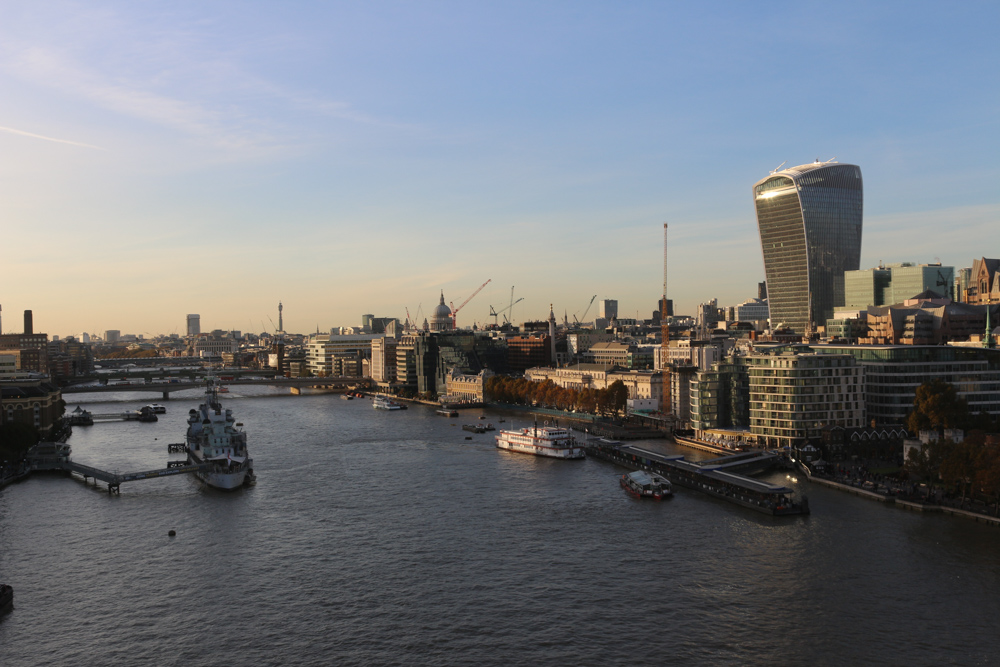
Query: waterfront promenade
{"points": [[858, 479]]}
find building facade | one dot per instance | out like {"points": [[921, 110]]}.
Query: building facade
{"points": [[793, 395], [893, 373], [809, 218]]}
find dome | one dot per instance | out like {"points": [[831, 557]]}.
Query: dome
{"points": [[442, 310], [441, 320]]}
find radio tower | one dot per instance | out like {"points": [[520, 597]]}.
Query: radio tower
{"points": [[665, 406], [281, 325]]}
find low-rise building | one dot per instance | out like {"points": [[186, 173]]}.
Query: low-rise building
{"points": [[640, 384], [466, 387], [35, 402]]}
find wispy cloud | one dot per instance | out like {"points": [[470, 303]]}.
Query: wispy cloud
{"points": [[41, 136]]}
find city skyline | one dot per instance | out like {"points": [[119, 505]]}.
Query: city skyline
{"points": [[347, 161]]}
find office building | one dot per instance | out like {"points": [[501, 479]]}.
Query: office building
{"points": [[607, 308], [910, 280], [892, 374], [193, 325], [809, 219]]}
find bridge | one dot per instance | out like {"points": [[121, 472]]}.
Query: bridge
{"points": [[166, 388]]}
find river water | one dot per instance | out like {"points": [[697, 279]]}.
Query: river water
{"points": [[388, 538]]}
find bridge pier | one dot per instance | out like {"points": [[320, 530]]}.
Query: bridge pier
{"points": [[166, 395]]}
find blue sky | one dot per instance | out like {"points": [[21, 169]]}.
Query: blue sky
{"points": [[216, 157]]}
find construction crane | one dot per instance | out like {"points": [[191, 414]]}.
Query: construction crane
{"points": [[496, 313], [587, 310], [454, 310]]}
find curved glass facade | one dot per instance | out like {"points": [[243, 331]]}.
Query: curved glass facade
{"points": [[809, 219]]}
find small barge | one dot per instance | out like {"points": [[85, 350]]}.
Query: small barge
{"points": [[642, 484]]}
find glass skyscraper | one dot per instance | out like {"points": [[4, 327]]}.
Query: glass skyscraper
{"points": [[809, 218]]}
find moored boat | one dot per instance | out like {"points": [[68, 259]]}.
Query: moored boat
{"points": [[642, 484], [383, 403], [548, 441], [217, 442]]}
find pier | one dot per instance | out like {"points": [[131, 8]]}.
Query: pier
{"points": [[714, 479], [54, 456]]}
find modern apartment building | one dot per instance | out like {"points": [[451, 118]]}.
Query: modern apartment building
{"points": [[809, 218], [794, 394]]}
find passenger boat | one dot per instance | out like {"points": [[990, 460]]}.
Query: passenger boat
{"points": [[642, 484], [473, 428], [548, 441], [215, 438], [445, 412], [383, 403], [157, 409]]}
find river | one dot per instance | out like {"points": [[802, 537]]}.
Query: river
{"points": [[387, 538]]}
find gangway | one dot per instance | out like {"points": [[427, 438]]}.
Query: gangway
{"points": [[114, 480]]}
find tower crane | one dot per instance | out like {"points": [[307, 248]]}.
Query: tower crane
{"points": [[454, 310], [496, 313], [587, 310]]}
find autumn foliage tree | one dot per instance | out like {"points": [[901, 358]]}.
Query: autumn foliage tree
{"points": [[521, 391], [937, 406]]}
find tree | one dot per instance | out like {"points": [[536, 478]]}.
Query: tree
{"points": [[988, 474], [959, 462], [618, 397], [16, 439], [937, 406]]}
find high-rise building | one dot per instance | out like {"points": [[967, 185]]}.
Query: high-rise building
{"points": [[112, 335], [193, 325], [809, 219], [607, 308]]}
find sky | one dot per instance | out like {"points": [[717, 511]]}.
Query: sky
{"points": [[160, 159]]}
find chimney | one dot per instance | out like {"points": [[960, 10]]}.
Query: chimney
{"points": [[28, 328]]}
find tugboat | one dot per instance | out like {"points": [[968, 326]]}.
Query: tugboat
{"points": [[215, 438]]}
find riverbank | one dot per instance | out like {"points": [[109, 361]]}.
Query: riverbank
{"points": [[913, 504]]}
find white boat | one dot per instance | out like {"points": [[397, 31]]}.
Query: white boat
{"points": [[216, 439], [549, 441], [383, 403], [642, 484], [157, 409]]}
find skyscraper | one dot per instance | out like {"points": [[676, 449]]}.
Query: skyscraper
{"points": [[193, 325], [809, 218]]}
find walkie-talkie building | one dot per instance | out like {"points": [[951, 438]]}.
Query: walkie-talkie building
{"points": [[809, 218]]}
